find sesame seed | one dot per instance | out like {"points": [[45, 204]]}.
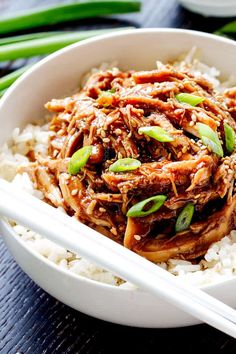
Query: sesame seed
{"points": [[72, 131], [194, 117], [137, 237], [103, 133], [179, 154], [74, 191], [113, 231], [102, 210], [55, 152], [191, 124], [91, 207], [106, 140], [184, 149], [118, 131], [60, 132]]}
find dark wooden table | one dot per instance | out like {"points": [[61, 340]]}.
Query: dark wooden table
{"points": [[31, 321]]}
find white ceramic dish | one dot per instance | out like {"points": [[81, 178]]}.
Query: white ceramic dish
{"points": [[56, 76], [216, 8]]}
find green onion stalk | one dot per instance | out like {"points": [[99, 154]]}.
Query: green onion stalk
{"points": [[66, 12], [30, 36], [7, 80], [229, 28], [42, 46]]}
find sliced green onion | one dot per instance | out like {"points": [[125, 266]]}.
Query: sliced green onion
{"points": [[108, 92], [230, 137], [217, 149], [79, 159], [185, 217], [41, 46], [112, 90], [210, 138], [105, 99], [66, 12], [156, 133], [126, 164], [7, 80], [136, 211], [189, 98]]}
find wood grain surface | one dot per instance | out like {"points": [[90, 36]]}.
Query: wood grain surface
{"points": [[31, 321]]}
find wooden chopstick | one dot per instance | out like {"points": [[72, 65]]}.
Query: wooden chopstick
{"points": [[77, 237]]}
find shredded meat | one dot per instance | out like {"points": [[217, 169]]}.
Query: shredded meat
{"points": [[107, 114]]}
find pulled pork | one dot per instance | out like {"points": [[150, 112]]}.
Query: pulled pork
{"points": [[107, 114]]}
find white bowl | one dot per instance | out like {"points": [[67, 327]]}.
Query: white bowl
{"points": [[216, 8], [56, 76]]}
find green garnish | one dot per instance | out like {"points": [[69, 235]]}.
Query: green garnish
{"points": [[7, 80], [49, 44], [185, 217], [30, 36], [229, 137], [107, 92], [156, 133], [230, 27], [65, 12], [79, 159], [105, 99], [136, 211], [126, 164], [210, 138], [112, 90], [190, 99]]}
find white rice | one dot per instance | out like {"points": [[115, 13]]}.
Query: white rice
{"points": [[219, 262]]}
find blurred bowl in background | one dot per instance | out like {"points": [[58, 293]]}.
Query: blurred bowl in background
{"points": [[216, 8]]}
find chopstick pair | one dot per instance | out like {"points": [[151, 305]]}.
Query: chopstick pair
{"points": [[79, 238]]}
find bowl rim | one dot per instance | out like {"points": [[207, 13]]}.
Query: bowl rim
{"points": [[50, 58]]}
